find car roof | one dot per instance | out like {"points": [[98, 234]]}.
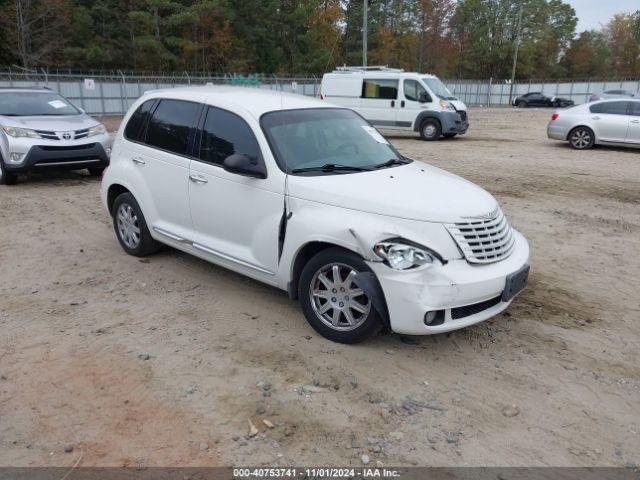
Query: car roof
{"points": [[256, 101]]}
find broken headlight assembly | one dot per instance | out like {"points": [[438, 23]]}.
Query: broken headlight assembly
{"points": [[401, 254]]}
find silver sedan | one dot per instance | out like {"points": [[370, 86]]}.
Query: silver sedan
{"points": [[606, 122]]}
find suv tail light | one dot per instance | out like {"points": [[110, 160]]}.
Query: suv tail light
{"points": [[555, 116]]}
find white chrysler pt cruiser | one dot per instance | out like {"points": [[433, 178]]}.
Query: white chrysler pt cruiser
{"points": [[310, 198]]}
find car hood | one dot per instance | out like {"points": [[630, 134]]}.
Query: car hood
{"points": [[416, 191], [50, 122]]}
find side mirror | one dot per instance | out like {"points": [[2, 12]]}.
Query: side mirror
{"points": [[242, 165], [424, 97], [82, 110]]}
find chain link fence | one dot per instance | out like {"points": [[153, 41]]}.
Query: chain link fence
{"points": [[100, 93]]}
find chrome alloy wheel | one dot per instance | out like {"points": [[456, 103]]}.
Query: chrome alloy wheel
{"points": [[581, 139], [128, 227], [336, 300]]}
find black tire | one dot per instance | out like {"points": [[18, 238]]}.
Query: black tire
{"points": [[367, 324], [449, 135], [582, 138], [7, 178], [522, 104], [95, 171], [145, 245], [430, 129]]}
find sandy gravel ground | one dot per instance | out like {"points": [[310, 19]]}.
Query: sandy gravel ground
{"points": [[163, 361]]}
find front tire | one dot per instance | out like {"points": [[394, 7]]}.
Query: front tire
{"points": [[522, 105], [430, 129], [582, 138], [131, 227], [7, 178], [333, 304]]}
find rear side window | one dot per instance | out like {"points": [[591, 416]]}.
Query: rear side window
{"points": [[224, 134], [635, 109], [385, 89], [613, 108], [134, 129], [171, 125]]}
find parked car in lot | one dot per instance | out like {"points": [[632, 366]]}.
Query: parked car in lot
{"points": [[609, 94], [538, 99], [40, 129], [606, 122], [310, 198], [394, 99]]}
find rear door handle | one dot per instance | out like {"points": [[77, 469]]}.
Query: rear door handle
{"points": [[197, 178], [393, 103], [595, 117], [635, 121], [138, 160], [402, 103]]}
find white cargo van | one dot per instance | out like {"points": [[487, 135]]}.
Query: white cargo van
{"points": [[393, 98]]}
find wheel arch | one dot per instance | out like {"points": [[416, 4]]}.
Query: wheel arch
{"points": [[582, 126], [427, 114], [113, 192]]}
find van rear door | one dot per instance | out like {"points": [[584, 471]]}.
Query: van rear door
{"points": [[379, 101]]}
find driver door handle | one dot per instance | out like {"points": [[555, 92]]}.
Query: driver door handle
{"points": [[138, 160], [197, 178], [635, 121], [595, 117]]}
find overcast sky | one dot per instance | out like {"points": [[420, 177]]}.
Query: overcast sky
{"points": [[592, 13]]}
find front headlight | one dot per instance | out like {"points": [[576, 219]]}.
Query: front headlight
{"points": [[97, 130], [447, 106], [20, 132], [401, 254]]}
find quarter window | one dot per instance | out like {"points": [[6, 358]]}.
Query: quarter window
{"points": [[224, 134], [612, 108], [384, 89], [134, 129], [413, 90], [171, 125]]}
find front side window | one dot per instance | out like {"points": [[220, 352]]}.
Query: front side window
{"points": [[635, 109], [134, 129], [23, 104], [171, 125], [384, 89], [412, 90], [334, 140], [611, 108], [225, 134]]}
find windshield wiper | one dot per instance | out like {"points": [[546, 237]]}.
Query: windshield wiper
{"points": [[392, 162], [331, 167]]}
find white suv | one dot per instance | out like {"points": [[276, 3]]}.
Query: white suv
{"points": [[310, 198]]}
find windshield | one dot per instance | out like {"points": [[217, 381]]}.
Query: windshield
{"points": [[35, 103], [438, 88], [326, 140]]}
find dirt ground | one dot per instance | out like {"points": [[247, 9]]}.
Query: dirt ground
{"points": [[163, 361]]}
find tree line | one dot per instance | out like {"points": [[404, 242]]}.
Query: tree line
{"points": [[463, 39]]}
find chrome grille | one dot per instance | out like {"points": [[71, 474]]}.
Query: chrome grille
{"points": [[485, 239], [49, 135]]}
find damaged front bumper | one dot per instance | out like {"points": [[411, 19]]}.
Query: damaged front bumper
{"points": [[465, 294]]}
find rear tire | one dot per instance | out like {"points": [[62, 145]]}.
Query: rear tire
{"points": [[131, 227], [430, 129], [354, 318], [7, 178], [582, 138]]}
